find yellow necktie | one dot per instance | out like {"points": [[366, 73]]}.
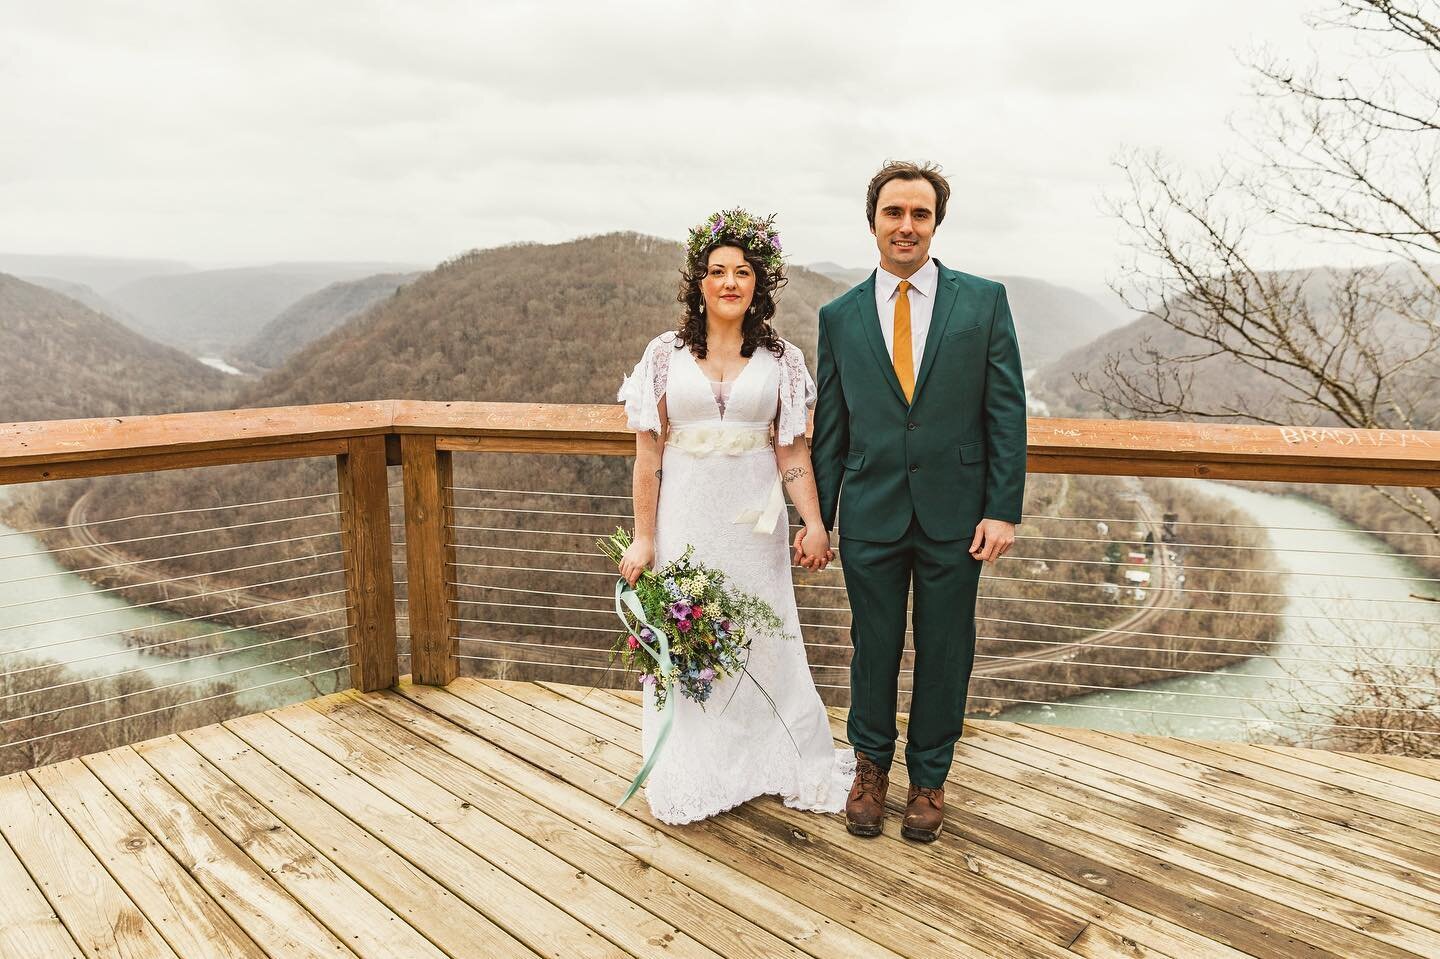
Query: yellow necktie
{"points": [[904, 354]]}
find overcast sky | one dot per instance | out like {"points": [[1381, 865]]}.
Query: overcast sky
{"points": [[241, 132]]}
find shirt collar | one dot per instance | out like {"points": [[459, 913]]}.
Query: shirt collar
{"points": [[924, 280]]}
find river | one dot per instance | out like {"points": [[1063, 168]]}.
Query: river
{"points": [[1317, 631], [1317, 636], [44, 605]]}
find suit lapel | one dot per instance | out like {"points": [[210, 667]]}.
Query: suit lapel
{"points": [[869, 321], [947, 288]]}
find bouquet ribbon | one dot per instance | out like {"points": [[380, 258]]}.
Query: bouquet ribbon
{"points": [[627, 599]]}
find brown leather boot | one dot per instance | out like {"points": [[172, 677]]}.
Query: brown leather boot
{"points": [[865, 808], [924, 813]]}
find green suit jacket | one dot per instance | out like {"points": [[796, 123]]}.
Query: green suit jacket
{"points": [[952, 456]]}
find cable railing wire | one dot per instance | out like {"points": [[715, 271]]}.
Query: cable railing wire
{"points": [[164, 602], [1030, 517], [183, 682], [160, 709], [161, 645], [175, 579], [172, 512], [166, 559], [155, 536], [180, 662]]}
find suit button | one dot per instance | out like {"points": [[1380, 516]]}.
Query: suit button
{"points": [[909, 426], [914, 468]]}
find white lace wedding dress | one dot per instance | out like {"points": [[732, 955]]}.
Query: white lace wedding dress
{"points": [[720, 472]]}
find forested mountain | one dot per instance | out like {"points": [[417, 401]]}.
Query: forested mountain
{"points": [[213, 311], [59, 359], [83, 293], [556, 323], [311, 317]]}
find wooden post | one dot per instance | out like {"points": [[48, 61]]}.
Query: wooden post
{"points": [[369, 577], [428, 559]]}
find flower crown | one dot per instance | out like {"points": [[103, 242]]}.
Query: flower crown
{"points": [[755, 236]]}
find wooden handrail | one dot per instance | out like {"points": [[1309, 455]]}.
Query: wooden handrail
{"points": [[61, 449]]}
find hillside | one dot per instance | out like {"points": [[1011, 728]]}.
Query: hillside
{"points": [[480, 326], [59, 359], [554, 323], [1049, 319], [311, 317], [1224, 379], [214, 311], [83, 293], [100, 273]]}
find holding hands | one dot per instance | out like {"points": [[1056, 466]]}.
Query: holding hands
{"points": [[812, 548]]}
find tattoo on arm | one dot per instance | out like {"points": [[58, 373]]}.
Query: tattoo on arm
{"points": [[659, 474], [794, 473], [656, 434]]}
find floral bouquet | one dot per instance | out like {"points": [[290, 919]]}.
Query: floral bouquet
{"points": [[707, 623]]}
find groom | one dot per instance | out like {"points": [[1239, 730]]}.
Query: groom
{"points": [[921, 419]]}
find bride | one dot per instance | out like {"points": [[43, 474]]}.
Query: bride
{"points": [[718, 406]]}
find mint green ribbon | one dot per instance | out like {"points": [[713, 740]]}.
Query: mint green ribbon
{"points": [[627, 598]]}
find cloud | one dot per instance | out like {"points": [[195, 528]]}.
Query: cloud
{"points": [[215, 131]]}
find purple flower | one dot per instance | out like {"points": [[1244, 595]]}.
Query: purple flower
{"points": [[647, 679], [715, 227], [775, 242], [680, 611], [707, 675]]}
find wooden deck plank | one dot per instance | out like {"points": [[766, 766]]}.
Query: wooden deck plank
{"points": [[625, 870], [1109, 929], [257, 903], [1331, 923], [1426, 768], [425, 903], [810, 884], [1123, 929], [30, 928], [793, 921], [348, 909], [1177, 819], [476, 820], [345, 760], [95, 910], [882, 871], [942, 890], [181, 911], [1212, 774], [1352, 794], [1268, 822], [1401, 785], [1241, 919], [1310, 919], [1198, 925]]}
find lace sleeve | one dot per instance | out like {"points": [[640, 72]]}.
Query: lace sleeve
{"points": [[797, 395], [642, 389]]}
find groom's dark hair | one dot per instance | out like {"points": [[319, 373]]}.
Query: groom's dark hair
{"points": [[905, 170]]}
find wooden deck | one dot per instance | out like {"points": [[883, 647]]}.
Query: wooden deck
{"points": [[476, 821]]}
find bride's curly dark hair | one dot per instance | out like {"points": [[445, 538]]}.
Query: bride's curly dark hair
{"points": [[756, 330]]}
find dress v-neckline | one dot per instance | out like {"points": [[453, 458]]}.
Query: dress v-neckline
{"points": [[729, 383], [722, 400]]}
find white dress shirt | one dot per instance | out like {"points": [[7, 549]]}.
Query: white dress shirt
{"points": [[922, 305]]}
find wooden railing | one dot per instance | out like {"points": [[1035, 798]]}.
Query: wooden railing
{"points": [[365, 438]]}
